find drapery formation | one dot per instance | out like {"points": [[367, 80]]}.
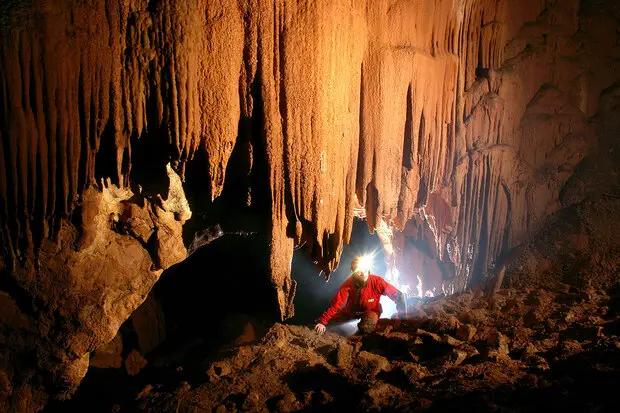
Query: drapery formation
{"points": [[457, 119], [379, 104]]}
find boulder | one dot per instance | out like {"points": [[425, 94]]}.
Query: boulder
{"points": [[498, 344], [371, 364], [343, 354], [466, 332]]}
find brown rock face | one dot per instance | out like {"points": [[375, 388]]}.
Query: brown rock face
{"points": [[79, 291], [459, 122]]}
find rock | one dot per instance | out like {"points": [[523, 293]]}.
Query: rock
{"points": [[398, 336], [570, 348], [535, 361], [587, 295], [530, 349], [452, 359], [552, 325], [88, 282], [383, 326], [70, 85], [324, 397], [71, 374], [381, 394], [534, 301], [134, 363], [469, 349], [427, 337], [242, 357], [371, 364], [498, 344], [251, 402], [414, 371], [344, 354], [444, 324], [476, 316], [218, 370], [539, 299], [146, 390], [316, 397], [278, 335], [306, 398], [288, 403], [497, 339], [136, 221], [248, 335], [512, 303], [466, 332], [109, 355], [417, 314], [169, 248], [176, 203], [221, 409], [531, 319], [451, 341]]}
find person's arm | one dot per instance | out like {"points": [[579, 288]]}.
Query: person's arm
{"points": [[337, 302], [395, 295]]}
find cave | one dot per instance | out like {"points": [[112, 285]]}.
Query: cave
{"points": [[185, 185]]}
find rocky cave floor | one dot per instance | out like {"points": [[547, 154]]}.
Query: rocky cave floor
{"points": [[524, 350]]}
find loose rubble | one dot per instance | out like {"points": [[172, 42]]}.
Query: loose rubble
{"points": [[533, 350]]}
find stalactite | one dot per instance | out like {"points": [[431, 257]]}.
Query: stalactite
{"points": [[340, 82]]}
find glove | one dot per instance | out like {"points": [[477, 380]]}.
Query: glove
{"points": [[320, 328]]}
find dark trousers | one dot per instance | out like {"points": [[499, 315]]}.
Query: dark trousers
{"points": [[368, 319]]}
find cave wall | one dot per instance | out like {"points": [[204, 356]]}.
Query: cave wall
{"points": [[466, 116]]}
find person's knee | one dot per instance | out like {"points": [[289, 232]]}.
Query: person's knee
{"points": [[368, 323]]}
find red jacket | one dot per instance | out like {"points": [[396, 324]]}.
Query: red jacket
{"points": [[367, 300]]}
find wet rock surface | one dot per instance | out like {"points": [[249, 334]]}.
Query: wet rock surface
{"points": [[569, 361]]}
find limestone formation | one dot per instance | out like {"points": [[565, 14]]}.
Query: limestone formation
{"points": [[462, 123]]}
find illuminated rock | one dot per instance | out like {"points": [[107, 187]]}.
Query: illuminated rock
{"points": [[459, 120]]}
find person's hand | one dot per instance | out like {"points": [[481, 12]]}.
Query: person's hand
{"points": [[320, 328]]}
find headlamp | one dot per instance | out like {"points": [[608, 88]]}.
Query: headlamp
{"points": [[364, 263]]}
